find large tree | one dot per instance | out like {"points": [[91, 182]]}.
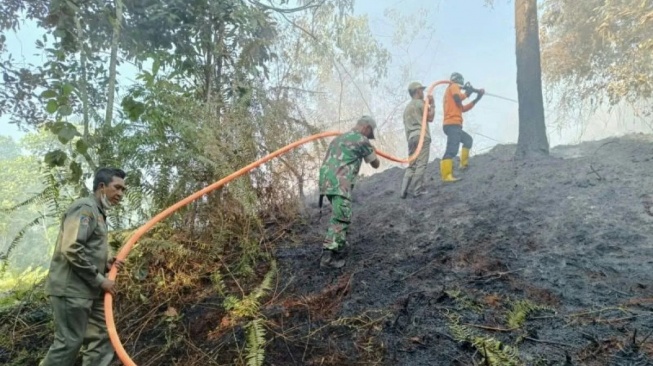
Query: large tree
{"points": [[532, 128], [532, 140]]}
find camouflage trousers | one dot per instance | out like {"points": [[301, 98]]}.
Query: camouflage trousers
{"points": [[336, 238]]}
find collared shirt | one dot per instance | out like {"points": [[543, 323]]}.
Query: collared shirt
{"points": [[413, 120], [78, 264]]}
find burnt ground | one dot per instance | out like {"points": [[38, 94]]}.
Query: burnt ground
{"points": [[440, 280], [542, 262]]}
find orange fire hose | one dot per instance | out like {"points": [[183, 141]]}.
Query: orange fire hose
{"points": [[124, 251]]}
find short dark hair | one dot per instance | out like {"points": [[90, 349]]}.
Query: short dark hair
{"points": [[105, 175]]}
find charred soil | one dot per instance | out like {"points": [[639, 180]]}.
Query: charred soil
{"points": [[541, 262]]}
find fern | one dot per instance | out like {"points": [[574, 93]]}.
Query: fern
{"points": [[255, 343], [493, 351], [520, 311], [496, 353], [4, 257], [463, 301], [218, 282], [459, 332], [249, 305], [266, 285]]}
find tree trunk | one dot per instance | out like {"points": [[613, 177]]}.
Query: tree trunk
{"points": [[106, 155], [113, 64], [532, 129], [83, 91]]}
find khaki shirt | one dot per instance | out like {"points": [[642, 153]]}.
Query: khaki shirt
{"points": [[413, 120], [78, 264]]}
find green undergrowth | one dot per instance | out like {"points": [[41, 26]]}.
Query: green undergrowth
{"points": [[168, 273], [491, 349], [15, 287]]}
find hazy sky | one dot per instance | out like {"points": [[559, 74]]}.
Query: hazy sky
{"points": [[469, 38], [466, 36]]}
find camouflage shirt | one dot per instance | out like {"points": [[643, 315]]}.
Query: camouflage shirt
{"points": [[342, 163], [79, 262], [413, 120]]}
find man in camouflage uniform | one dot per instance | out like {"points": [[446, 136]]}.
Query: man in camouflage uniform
{"points": [[77, 278], [337, 177], [414, 175]]}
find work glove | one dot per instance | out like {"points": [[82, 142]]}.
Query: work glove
{"points": [[468, 88], [479, 94]]}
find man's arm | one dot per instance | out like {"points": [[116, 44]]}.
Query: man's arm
{"points": [[366, 151], [459, 102], [78, 227], [469, 106], [375, 164], [479, 95], [458, 95], [418, 112], [372, 159]]}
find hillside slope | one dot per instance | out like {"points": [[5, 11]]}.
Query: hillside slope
{"points": [[546, 262]]}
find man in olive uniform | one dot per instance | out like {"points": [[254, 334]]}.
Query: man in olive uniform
{"points": [[77, 278], [414, 176], [337, 177]]}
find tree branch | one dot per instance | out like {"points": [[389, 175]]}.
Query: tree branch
{"points": [[311, 5]]}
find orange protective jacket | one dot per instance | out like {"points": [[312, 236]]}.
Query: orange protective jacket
{"points": [[453, 114]]}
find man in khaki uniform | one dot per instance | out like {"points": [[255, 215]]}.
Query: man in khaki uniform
{"points": [[77, 278], [414, 176]]}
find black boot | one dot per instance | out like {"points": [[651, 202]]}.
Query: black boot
{"points": [[331, 259]]}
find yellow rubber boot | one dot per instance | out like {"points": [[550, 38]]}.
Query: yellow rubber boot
{"points": [[446, 170], [464, 158]]}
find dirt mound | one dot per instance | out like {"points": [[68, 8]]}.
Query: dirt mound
{"points": [[545, 262]]}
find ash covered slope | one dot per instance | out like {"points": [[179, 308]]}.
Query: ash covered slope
{"points": [[570, 232]]}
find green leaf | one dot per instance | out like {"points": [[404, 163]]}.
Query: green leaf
{"points": [[75, 171], [55, 158], [81, 146], [55, 127], [67, 133], [47, 94], [133, 108], [65, 110], [66, 89], [155, 66], [52, 106]]}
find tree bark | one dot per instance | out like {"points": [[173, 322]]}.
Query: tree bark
{"points": [[82, 85], [113, 64], [106, 151], [83, 91], [532, 139]]}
